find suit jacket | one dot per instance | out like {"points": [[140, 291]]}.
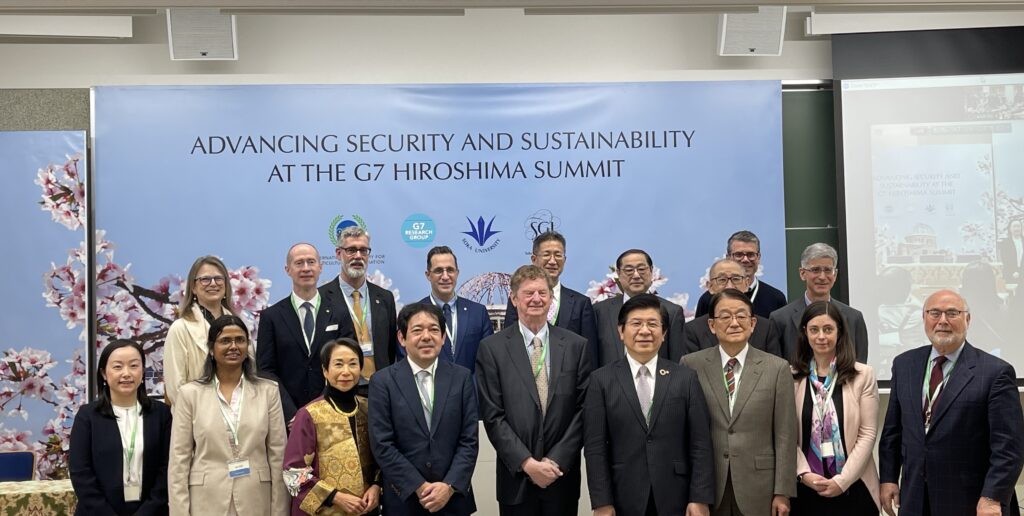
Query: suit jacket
{"points": [[281, 347], [611, 347], [474, 324], [408, 453], [860, 429], [627, 457], [787, 322], [96, 466], [200, 451], [698, 336], [575, 313], [754, 445], [184, 352], [510, 407], [384, 327], [767, 300], [973, 447]]}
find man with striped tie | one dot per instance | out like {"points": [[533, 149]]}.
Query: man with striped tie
{"points": [[753, 418]]}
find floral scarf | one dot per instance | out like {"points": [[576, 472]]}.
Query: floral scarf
{"points": [[825, 425]]}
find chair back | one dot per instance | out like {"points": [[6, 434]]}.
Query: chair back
{"points": [[17, 465]]}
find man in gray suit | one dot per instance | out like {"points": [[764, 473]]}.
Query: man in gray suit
{"points": [[819, 268], [753, 418], [636, 274]]}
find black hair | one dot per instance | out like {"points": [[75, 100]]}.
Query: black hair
{"points": [[618, 261], [729, 293], [216, 328], [547, 236], [104, 406], [441, 249], [344, 342], [408, 311], [845, 355], [641, 302]]}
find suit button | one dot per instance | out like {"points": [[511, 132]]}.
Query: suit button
{"points": [[731, 431], [428, 465], [725, 455], [649, 440]]}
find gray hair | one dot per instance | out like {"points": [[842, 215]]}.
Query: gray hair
{"points": [[353, 232], [720, 261], [819, 250], [742, 236]]}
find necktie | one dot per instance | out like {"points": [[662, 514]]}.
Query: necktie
{"points": [[307, 322], [540, 373], [730, 378], [643, 391], [933, 385], [422, 379], [362, 333], [447, 309], [553, 310]]}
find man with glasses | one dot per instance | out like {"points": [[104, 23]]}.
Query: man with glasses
{"points": [[951, 443], [371, 308], [745, 248], [819, 270], [636, 274], [466, 322], [728, 273], [749, 394], [569, 309]]}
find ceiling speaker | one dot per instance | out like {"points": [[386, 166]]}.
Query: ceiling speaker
{"points": [[201, 34], [754, 34]]}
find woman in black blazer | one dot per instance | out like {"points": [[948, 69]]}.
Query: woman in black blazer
{"points": [[114, 473]]}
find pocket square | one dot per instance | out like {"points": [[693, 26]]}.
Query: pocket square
{"points": [[333, 327]]}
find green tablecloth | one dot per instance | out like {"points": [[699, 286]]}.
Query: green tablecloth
{"points": [[37, 497]]}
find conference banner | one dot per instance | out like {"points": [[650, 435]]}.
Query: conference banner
{"points": [[244, 172], [43, 309]]}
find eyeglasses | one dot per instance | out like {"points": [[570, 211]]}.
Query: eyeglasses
{"points": [[441, 271], [740, 318], [228, 341], [629, 270], [637, 324], [951, 315], [352, 251], [556, 255], [207, 280], [722, 281], [748, 255], [814, 271]]}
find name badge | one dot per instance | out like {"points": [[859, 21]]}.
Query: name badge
{"points": [[827, 450], [333, 327], [238, 468], [132, 492]]}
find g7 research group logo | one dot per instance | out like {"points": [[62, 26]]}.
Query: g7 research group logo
{"points": [[339, 223], [480, 233], [418, 230]]}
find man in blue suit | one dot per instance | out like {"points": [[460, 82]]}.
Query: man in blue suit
{"points": [[466, 322], [423, 424], [569, 309], [954, 424]]}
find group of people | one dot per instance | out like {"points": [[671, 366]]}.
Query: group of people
{"points": [[755, 407]]}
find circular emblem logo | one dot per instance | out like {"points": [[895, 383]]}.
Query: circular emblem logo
{"points": [[339, 223], [418, 230]]}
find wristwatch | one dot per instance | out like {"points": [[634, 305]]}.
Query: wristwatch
{"points": [[451, 489]]}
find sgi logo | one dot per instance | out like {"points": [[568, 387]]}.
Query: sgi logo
{"points": [[541, 221]]}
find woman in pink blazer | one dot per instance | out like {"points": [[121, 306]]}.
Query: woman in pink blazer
{"points": [[837, 413]]}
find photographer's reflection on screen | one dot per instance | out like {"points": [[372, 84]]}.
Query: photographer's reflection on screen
{"points": [[899, 315], [989, 314], [1011, 251]]}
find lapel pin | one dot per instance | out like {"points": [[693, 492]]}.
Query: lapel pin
{"points": [[663, 372]]}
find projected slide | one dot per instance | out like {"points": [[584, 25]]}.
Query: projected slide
{"points": [[934, 176]]}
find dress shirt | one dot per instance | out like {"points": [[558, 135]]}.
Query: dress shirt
{"points": [[528, 339], [634, 367], [455, 317], [947, 368], [297, 303], [556, 299], [128, 417], [364, 300], [741, 358], [432, 369]]}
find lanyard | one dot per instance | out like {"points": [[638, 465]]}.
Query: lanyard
{"points": [[929, 402], [316, 310], [540, 363], [129, 449], [753, 293], [558, 304], [232, 421], [455, 322]]}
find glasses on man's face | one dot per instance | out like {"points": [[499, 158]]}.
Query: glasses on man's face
{"points": [[630, 270], [228, 341], [747, 255], [814, 271], [207, 280], [951, 315], [353, 251], [722, 281], [441, 271], [548, 256], [740, 318], [636, 324]]}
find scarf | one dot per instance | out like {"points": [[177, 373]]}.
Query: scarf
{"points": [[825, 425]]}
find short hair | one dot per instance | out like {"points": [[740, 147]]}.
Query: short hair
{"points": [[547, 236], [352, 232], [742, 236], [845, 355], [288, 255], [104, 405], [618, 261], [729, 293], [216, 328], [526, 273], [441, 249], [188, 298], [344, 342], [817, 251], [410, 310], [720, 261], [642, 302]]}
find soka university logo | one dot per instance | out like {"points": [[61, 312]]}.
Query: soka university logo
{"points": [[339, 223], [481, 232]]}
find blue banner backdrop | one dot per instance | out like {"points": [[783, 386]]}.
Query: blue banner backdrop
{"points": [[43, 309], [243, 172]]}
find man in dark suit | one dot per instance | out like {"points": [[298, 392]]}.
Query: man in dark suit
{"points": [[423, 424], [728, 273], [466, 322], [744, 247], [371, 309], [569, 309], [636, 274], [292, 331], [532, 380], [818, 269], [954, 423], [660, 445]]}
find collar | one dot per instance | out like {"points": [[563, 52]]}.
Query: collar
{"points": [[347, 289], [297, 299], [634, 365], [529, 335], [807, 299], [440, 304], [416, 368], [556, 291], [753, 284], [949, 356], [741, 357]]}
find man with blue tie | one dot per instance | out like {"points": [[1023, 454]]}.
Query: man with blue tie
{"points": [[466, 322], [423, 424], [951, 443]]}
